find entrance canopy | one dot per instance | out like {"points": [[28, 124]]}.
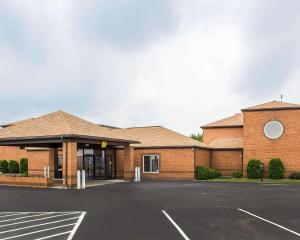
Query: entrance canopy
{"points": [[55, 128], [60, 130]]}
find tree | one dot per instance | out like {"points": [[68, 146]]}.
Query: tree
{"points": [[198, 137]]}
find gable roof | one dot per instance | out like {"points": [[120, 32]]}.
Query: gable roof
{"points": [[157, 136], [232, 121], [227, 143], [53, 125], [274, 105]]}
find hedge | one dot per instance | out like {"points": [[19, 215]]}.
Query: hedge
{"points": [[3, 166], [237, 174], [24, 165], [276, 169], [295, 175], [253, 169], [204, 173], [13, 166]]}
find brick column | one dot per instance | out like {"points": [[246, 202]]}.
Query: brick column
{"points": [[128, 163], [69, 167], [51, 161]]}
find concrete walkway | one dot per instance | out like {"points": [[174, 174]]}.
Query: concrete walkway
{"points": [[92, 183]]}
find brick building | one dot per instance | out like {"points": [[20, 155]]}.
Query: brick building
{"points": [[66, 143]]}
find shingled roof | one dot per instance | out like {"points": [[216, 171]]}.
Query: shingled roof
{"points": [[232, 121], [60, 123], [54, 125], [274, 105], [227, 143], [157, 136]]}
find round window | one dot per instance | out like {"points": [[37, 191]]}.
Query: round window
{"points": [[273, 129]]}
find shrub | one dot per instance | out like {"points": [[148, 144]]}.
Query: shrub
{"points": [[276, 169], [253, 169], [23, 165], [13, 166], [204, 173], [295, 175], [237, 174], [217, 174], [24, 174], [3, 166]]}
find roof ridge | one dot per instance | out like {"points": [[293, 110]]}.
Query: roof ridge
{"points": [[143, 127], [61, 114]]}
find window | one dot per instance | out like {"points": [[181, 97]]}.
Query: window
{"points": [[273, 129], [150, 163]]}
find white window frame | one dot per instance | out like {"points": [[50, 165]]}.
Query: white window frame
{"points": [[151, 155], [281, 130]]}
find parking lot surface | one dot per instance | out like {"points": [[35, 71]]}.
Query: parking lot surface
{"points": [[155, 210]]}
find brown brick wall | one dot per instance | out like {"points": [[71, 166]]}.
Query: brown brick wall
{"points": [[210, 134], [202, 157], [38, 182], [174, 163], [12, 153], [37, 160], [120, 163], [227, 161], [287, 147]]}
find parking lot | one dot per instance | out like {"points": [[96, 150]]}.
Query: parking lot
{"points": [[153, 210]]}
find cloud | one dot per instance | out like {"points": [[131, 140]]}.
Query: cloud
{"points": [[179, 64]]}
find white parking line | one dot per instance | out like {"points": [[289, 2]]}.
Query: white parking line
{"points": [[76, 226], [12, 219], [275, 224], [15, 214], [175, 225], [37, 225], [39, 219], [39, 231], [54, 235]]}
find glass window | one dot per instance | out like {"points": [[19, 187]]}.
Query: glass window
{"points": [[88, 151], [273, 129], [150, 163]]}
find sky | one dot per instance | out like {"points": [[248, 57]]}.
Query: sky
{"points": [[179, 64]]}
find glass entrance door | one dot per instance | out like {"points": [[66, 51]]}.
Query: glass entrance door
{"points": [[89, 166], [99, 164]]}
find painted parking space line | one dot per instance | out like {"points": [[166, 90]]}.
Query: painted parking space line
{"points": [[175, 225], [268, 221], [37, 225], [39, 219], [56, 224], [77, 225], [13, 214]]}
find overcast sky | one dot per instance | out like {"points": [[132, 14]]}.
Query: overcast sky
{"points": [[180, 64]]}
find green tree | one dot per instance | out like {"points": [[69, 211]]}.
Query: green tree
{"points": [[198, 137]]}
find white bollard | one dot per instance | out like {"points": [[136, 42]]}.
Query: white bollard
{"points": [[83, 179], [78, 180], [135, 174], [139, 173], [48, 171]]}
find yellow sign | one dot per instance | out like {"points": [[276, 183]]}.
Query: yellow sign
{"points": [[103, 144]]}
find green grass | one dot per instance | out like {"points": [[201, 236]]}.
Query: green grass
{"points": [[248, 180]]}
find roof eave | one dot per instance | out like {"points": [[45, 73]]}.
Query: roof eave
{"points": [[59, 139], [269, 109], [223, 126]]}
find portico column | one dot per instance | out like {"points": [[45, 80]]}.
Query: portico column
{"points": [[128, 162], [69, 167]]}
